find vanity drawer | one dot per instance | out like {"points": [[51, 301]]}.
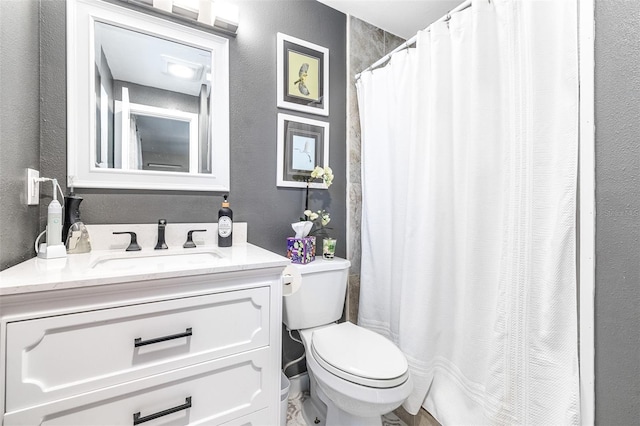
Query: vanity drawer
{"points": [[61, 356], [259, 418], [209, 393]]}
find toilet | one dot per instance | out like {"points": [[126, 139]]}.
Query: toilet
{"points": [[356, 375]]}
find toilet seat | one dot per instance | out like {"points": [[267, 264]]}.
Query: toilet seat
{"points": [[359, 355]]}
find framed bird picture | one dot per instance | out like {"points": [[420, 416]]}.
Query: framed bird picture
{"points": [[303, 75], [303, 144]]}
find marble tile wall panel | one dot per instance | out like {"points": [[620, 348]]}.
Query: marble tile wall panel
{"points": [[354, 297], [367, 44]]}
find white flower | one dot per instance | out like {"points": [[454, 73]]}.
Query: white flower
{"points": [[307, 213], [313, 216], [318, 172], [326, 174], [325, 219]]}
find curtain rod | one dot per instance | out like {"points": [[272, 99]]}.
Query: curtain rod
{"points": [[412, 40]]}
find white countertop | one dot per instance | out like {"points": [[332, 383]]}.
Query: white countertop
{"points": [[83, 270]]}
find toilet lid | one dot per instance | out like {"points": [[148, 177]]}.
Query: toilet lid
{"points": [[359, 355]]}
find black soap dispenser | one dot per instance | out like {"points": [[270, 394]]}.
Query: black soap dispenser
{"points": [[71, 212], [225, 224], [74, 232]]}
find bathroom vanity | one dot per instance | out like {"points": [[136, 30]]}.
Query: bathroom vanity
{"points": [[186, 336]]}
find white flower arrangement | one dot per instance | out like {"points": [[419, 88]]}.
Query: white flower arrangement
{"points": [[321, 218], [320, 225], [322, 214], [326, 174]]}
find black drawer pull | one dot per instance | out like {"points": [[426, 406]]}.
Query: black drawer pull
{"points": [[139, 342], [137, 419]]}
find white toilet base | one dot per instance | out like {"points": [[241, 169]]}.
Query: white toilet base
{"points": [[313, 415], [320, 410], [336, 416]]}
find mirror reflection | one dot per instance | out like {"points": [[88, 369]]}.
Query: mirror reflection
{"points": [[152, 103]]}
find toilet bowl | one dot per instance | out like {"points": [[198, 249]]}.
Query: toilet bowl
{"points": [[360, 374], [356, 375]]}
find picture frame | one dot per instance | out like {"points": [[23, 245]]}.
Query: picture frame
{"points": [[303, 144], [303, 75]]}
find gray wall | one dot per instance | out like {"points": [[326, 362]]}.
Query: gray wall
{"points": [[19, 127], [254, 196], [153, 96], [253, 126], [618, 212]]}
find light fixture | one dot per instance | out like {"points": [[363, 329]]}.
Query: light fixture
{"points": [[186, 8], [225, 16], [221, 15]]}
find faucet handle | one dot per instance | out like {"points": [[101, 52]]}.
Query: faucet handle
{"points": [[133, 245], [190, 243], [161, 244]]}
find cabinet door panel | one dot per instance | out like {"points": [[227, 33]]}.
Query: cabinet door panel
{"points": [[219, 391], [61, 356]]}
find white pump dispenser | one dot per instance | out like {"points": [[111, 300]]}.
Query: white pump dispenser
{"points": [[53, 247]]}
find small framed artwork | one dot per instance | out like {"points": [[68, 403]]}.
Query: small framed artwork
{"points": [[303, 144], [303, 75]]}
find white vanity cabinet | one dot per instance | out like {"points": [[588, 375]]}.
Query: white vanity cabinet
{"points": [[192, 349]]}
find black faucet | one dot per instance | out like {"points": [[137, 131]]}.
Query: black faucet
{"points": [[161, 244], [190, 243], [133, 245]]}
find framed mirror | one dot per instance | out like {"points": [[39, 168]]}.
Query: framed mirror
{"points": [[147, 101]]}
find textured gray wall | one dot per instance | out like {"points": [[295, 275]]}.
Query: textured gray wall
{"points": [[153, 96], [618, 212], [19, 127], [253, 127], [254, 196]]}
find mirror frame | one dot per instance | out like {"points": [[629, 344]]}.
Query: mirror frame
{"points": [[81, 100]]}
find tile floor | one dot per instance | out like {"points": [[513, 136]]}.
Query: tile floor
{"points": [[294, 413]]}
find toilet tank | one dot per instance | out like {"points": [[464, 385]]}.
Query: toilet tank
{"points": [[319, 299]]}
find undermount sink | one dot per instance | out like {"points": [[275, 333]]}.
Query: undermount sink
{"points": [[157, 260]]}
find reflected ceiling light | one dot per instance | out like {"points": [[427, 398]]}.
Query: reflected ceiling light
{"points": [[181, 68], [182, 71]]}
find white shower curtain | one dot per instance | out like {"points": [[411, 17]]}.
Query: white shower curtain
{"points": [[135, 144], [469, 170]]}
